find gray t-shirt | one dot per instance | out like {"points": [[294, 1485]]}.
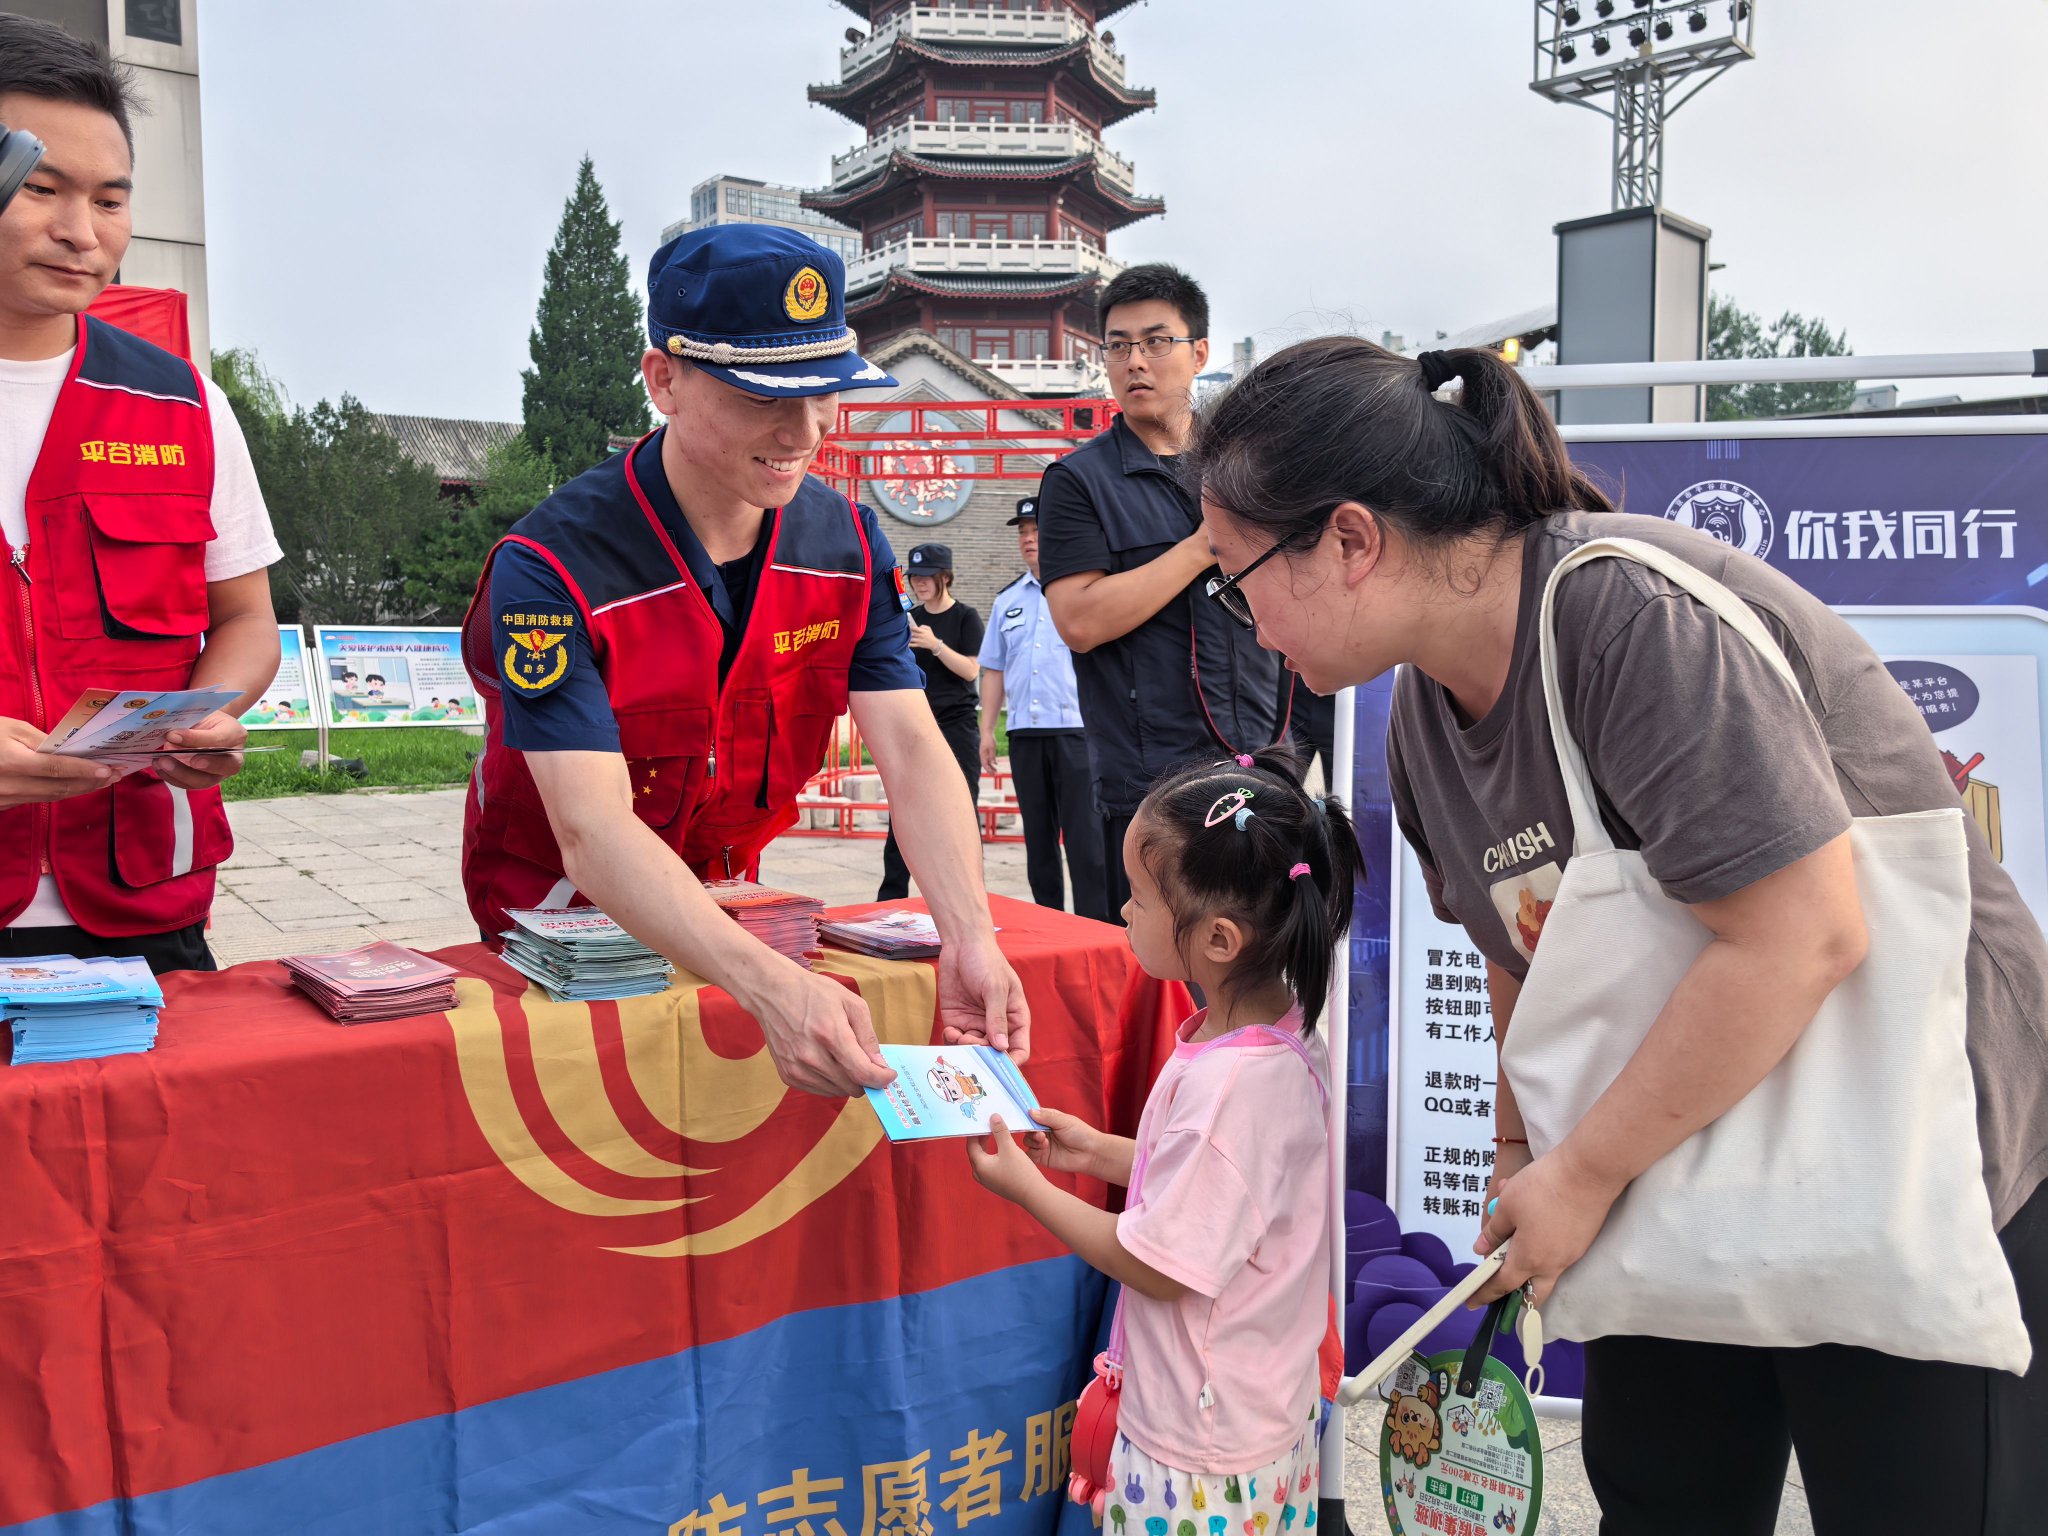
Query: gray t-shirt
{"points": [[1706, 764]]}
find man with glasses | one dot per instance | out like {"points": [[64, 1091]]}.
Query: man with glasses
{"points": [[1166, 676]]}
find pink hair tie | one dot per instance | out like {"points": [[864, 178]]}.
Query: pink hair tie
{"points": [[1244, 760], [1297, 872]]}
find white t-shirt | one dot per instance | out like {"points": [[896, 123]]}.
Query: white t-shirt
{"points": [[242, 537]]}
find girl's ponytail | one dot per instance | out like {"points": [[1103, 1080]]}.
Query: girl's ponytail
{"points": [[1278, 862]]}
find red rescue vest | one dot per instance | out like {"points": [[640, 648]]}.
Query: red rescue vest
{"points": [[715, 768], [111, 593]]}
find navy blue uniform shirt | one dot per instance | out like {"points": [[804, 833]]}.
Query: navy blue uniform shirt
{"points": [[576, 714]]}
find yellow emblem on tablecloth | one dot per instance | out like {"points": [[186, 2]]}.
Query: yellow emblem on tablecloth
{"points": [[716, 1105], [806, 297]]}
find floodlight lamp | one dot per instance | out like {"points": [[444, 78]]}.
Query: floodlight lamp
{"points": [[1566, 53], [1602, 44], [1637, 36], [855, 36], [1739, 10], [1697, 21], [1663, 29], [1511, 351], [1642, 4], [1604, 7], [1571, 15]]}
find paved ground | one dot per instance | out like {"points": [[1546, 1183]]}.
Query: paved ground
{"points": [[325, 872]]}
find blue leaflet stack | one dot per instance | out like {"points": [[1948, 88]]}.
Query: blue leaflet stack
{"points": [[580, 955], [65, 1009]]}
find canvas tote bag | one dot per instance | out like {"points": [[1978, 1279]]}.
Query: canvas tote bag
{"points": [[1841, 1201]]}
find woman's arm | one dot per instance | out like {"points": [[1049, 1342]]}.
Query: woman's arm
{"points": [[1779, 947]]}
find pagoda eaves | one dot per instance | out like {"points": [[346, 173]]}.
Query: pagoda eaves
{"points": [[983, 190]]}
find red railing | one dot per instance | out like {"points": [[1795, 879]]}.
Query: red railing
{"points": [[1038, 432], [824, 809]]}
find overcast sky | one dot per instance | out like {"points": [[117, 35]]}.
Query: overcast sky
{"points": [[383, 178]]}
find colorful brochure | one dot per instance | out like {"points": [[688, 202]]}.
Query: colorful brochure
{"points": [[951, 1091], [113, 724]]}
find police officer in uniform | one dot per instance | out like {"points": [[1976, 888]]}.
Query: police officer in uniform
{"points": [[669, 639], [1026, 666], [136, 535]]}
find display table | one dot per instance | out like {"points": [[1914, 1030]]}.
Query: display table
{"points": [[539, 1267]]}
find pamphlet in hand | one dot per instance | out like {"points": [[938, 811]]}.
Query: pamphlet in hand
{"points": [[378, 981], [114, 725], [890, 935], [951, 1091]]}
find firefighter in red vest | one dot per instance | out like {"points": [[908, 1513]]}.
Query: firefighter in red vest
{"points": [[669, 639], [135, 532]]}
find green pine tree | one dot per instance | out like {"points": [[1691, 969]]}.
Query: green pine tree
{"points": [[586, 342], [441, 571], [1733, 331]]}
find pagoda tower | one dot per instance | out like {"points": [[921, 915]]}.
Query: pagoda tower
{"points": [[984, 194]]}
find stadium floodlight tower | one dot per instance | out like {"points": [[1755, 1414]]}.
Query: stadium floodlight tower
{"points": [[1632, 282], [1637, 62]]}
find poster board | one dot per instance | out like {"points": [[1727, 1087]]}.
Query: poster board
{"points": [[287, 704], [371, 675]]}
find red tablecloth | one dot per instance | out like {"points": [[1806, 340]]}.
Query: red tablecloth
{"points": [[275, 1233]]}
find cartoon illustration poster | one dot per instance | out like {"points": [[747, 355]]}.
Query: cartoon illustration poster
{"points": [[386, 676], [1985, 713], [288, 701]]}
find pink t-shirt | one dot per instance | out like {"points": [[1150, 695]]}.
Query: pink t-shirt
{"points": [[1234, 1203]]}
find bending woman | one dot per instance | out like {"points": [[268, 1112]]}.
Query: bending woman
{"points": [[1380, 510]]}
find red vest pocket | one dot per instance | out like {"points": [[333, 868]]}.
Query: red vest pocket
{"points": [[161, 832], [148, 557], [807, 707], [667, 758]]}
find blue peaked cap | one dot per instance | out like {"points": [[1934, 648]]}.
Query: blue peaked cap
{"points": [[760, 308]]}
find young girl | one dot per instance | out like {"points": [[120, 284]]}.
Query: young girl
{"points": [[1241, 884]]}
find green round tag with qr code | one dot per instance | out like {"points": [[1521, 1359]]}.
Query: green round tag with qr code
{"points": [[1459, 1466]]}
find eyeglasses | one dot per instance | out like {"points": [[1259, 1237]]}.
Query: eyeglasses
{"points": [[1224, 588], [1151, 346]]}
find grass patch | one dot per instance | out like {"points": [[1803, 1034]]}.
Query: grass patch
{"points": [[425, 756]]}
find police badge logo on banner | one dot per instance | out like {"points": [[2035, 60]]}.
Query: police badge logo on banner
{"points": [[536, 659], [1728, 510]]}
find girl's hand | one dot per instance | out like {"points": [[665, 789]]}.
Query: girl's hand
{"points": [[1066, 1145], [1553, 1210], [1002, 1165]]}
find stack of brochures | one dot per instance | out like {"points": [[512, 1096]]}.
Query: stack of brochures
{"points": [[786, 922], [891, 935], [582, 956], [66, 1009], [378, 981]]}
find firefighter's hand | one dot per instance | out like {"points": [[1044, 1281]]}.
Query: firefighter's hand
{"points": [[214, 755], [28, 777], [819, 1033]]}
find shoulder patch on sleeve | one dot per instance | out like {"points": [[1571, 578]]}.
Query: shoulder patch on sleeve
{"points": [[537, 651]]}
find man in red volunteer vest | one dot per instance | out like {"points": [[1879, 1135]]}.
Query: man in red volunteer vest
{"points": [[668, 640], [134, 533]]}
